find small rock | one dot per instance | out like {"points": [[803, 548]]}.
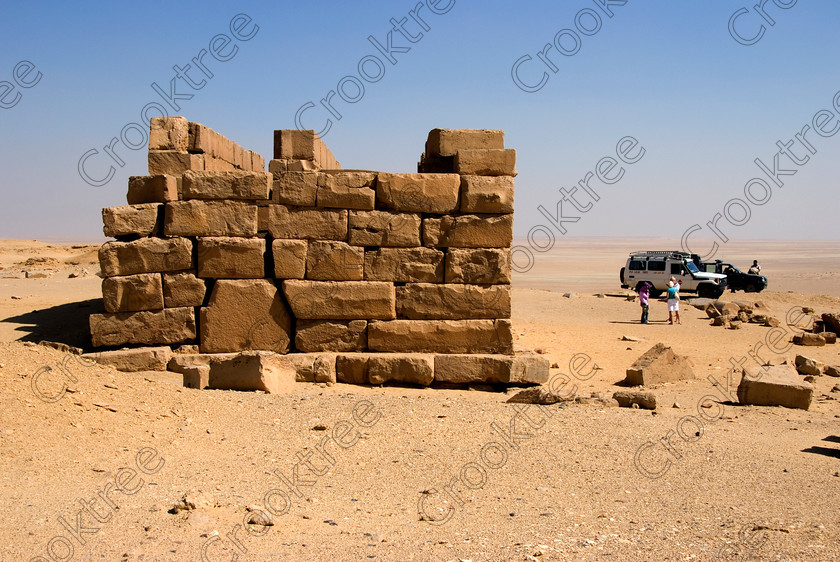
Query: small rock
{"points": [[676, 405], [735, 325], [632, 338], [810, 378], [809, 339], [536, 395], [835, 388], [15, 297], [259, 516], [832, 370], [807, 310], [555, 365], [540, 350], [569, 295], [629, 398], [319, 427], [631, 297], [601, 296], [807, 366], [193, 500]]}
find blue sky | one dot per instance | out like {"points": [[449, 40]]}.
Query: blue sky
{"points": [[702, 105]]}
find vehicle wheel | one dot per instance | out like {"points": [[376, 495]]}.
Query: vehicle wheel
{"points": [[718, 293], [704, 291], [750, 288], [655, 293], [621, 275]]}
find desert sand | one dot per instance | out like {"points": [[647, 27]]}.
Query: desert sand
{"points": [[749, 482]]}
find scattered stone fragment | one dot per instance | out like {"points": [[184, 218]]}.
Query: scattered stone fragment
{"points": [[832, 370], [808, 366], [809, 339], [777, 385], [657, 365], [637, 398]]}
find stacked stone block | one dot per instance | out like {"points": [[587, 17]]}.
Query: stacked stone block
{"points": [[359, 276]]}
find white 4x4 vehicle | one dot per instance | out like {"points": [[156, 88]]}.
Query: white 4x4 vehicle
{"points": [[657, 267]]}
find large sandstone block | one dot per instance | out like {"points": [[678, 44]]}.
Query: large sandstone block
{"points": [[436, 301], [340, 300], [658, 365], [183, 289], [167, 326], [404, 265], [231, 258], [132, 293], [133, 360], [169, 133], [146, 255], [295, 188], [313, 367], [289, 258], [328, 260], [226, 185], [303, 144], [315, 224], [486, 194], [179, 362], [413, 368], [331, 335], [807, 366], [346, 189], [441, 336], [254, 370], [777, 385], [419, 193], [469, 231], [152, 189], [382, 228], [478, 266], [352, 368], [127, 220], [447, 142], [173, 162], [521, 368], [492, 162], [210, 218], [831, 321], [245, 314]]}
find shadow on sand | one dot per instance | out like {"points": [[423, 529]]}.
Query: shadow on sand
{"points": [[64, 323]]}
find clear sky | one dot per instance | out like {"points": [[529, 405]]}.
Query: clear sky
{"points": [[701, 101]]}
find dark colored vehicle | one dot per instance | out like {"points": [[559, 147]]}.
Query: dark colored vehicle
{"points": [[736, 279]]}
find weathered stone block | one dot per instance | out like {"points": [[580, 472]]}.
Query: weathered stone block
{"points": [[196, 377], [776, 385], [807, 366], [183, 289], [295, 188], [169, 133], [478, 266], [210, 218], [642, 399], [352, 368], [492, 162], [146, 255], [381, 228], [469, 231], [447, 142], [297, 144], [316, 224], [231, 258], [486, 194], [831, 321], [314, 367], [428, 301], [330, 335], [152, 189], [413, 368], [419, 193], [334, 261], [167, 326], [657, 365], [345, 300], [132, 293], [254, 370], [181, 361], [133, 360], [226, 185], [346, 189], [521, 368], [441, 336], [814, 340], [127, 220], [245, 314], [404, 265], [173, 162], [289, 258]]}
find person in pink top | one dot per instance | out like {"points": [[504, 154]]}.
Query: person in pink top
{"points": [[644, 296]]}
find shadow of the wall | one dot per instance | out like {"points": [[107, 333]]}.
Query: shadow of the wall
{"points": [[64, 323]]}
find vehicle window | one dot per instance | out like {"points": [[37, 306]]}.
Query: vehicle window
{"points": [[656, 265], [691, 267], [676, 269], [637, 265]]}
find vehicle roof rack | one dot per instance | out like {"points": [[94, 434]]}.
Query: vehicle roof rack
{"points": [[667, 253]]}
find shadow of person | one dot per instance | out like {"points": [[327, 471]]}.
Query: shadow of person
{"points": [[63, 323]]}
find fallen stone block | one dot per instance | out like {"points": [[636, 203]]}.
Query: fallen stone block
{"points": [[314, 367], [254, 370], [167, 326], [700, 303], [774, 386], [447, 142], [418, 193], [832, 322], [627, 398], [226, 185], [469, 231], [315, 224], [478, 266], [289, 258], [807, 366], [331, 335], [169, 133], [146, 255], [413, 368], [441, 336], [295, 188], [730, 309], [328, 260], [403, 265], [183, 289], [133, 360], [486, 162], [486, 194], [210, 218], [832, 370], [231, 258], [712, 311], [815, 340], [382, 228], [658, 365], [263, 323], [829, 337], [152, 189], [133, 293], [346, 300], [542, 395], [521, 368], [437, 301], [346, 190], [131, 220]]}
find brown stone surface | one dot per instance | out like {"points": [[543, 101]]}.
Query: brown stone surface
{"points": [[167, 326], [492, 162], [132, 293], [254, 370], [814, 340], [313, 367], [627, 398], [658, 365], [180, 361], [383, 228], [126, 220], [295, 188], [303, 144], [169, 133], [486, 194], [352, 368], [146, 255], [341, 300], [134, 360], [183, 289], [330, 335], [413, 368], [427, 301], [196, 377], [263, 323], [346, 189], [469, 231], [447, 142], [419, 193], [521, 368], [404, 265], [807, 366], [152, 189], [231, 258], [210, 218], [441, 336], [831, 321], [315, 224], [226, 185], [173, 162], [334, 261], [478, 266], [777, 385], [289, 258]]}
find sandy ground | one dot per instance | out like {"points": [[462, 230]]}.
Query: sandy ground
{"points": [[525, 483]]}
